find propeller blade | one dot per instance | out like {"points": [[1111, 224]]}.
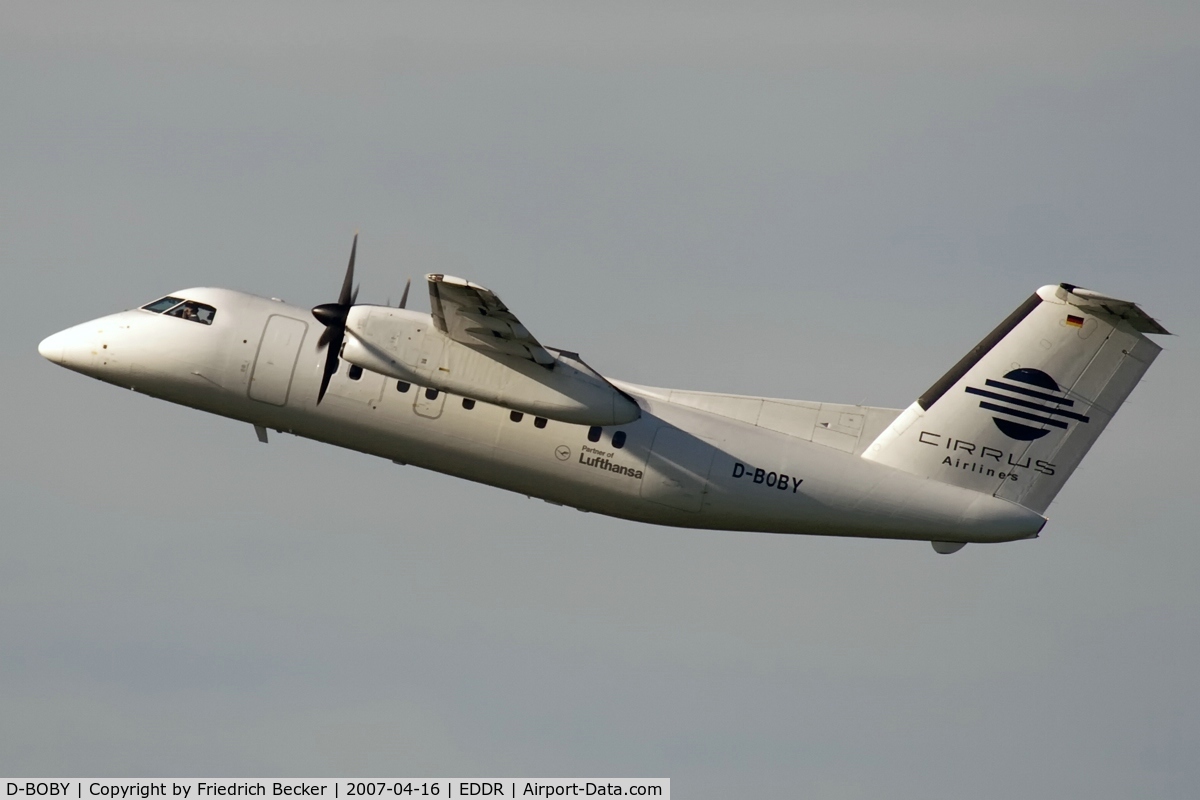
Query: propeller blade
{"points": [[344, 297], [404, 297], [333, 317], [331, 364]]}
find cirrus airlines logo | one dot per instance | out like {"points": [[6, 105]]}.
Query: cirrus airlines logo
{"points": [[1028, 403]]}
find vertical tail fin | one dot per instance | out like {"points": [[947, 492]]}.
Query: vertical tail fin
{"points": [[1018, 413]]}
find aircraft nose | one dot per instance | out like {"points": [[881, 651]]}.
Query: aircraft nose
{"points": [[53, 347], [73, 348]]}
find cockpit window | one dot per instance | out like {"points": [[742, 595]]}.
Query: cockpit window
{"points": [[159, 306], [196, 312], [184, 309]]}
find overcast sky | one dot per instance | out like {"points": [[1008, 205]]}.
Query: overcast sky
{"points": [[816, 201]]}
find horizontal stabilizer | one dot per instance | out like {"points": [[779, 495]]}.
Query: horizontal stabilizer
{"points": [[1121, 309]]}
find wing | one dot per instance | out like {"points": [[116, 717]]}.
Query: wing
{"points": [[474, 316]]}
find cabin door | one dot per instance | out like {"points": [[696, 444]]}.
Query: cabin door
{"points": [[271, 379], [429, 402], [677, 469]]}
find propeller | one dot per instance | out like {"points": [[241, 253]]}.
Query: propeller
{"points": [[333, 317], [404, 297]]}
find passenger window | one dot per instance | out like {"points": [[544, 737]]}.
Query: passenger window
{"points": [[193, 312], [402, 387], [516, 416], [539, 422], [431, 394], [355, 372], [468, 403], [159, 306], [594, 433], [618, 440]]}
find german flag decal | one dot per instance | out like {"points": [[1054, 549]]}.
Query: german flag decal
{"points": [[1074, 321]]}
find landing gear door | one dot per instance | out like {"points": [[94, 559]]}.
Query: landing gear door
{"points": [[677, 469]]}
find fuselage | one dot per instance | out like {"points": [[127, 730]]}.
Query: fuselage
{"points": [[258, 360]]}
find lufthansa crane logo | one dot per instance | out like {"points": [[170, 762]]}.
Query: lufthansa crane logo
{"points": [[1028, 403]]}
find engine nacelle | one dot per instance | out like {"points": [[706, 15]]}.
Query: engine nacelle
{"points": [[407, 346]]}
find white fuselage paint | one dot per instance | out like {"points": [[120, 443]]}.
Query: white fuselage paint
{"points": [[679, 466]]}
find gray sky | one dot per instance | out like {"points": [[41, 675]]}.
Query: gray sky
{"points": [[819, 201]]}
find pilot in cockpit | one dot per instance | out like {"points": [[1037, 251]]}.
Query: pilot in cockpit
{"points": [[184, 309]]}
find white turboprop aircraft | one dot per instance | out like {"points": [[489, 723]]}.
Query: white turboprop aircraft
{"points": [[468, 391]]}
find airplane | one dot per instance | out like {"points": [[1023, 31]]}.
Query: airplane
{"points": [[468, 391]]}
